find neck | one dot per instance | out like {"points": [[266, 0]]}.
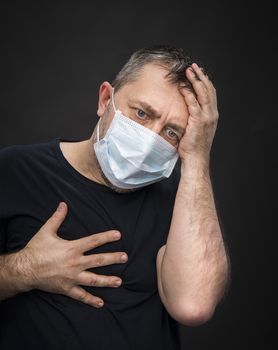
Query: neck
{"points": [[81, 156]]}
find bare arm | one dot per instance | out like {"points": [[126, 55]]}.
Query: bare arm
{"points": [[194, 265], [15, 274]]}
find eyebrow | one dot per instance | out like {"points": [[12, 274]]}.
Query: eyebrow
{"points": [[150, 110]]}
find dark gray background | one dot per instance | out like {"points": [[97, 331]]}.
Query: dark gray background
{"points": [[55, 55]]}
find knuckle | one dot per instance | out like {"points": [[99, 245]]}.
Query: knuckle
{"points": [[72, 263], [71, 248], [99, 260], [208, 121], [66, 288], [205, 97], [205, 122], [83, 296], [93, 281]]}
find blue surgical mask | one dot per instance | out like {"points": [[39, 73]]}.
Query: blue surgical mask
{"points": [[133, 156]]}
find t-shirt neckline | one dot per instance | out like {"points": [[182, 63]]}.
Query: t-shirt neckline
{"points": [[75, 173]]}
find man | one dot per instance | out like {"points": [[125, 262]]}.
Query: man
{"points": [[135, 247]]}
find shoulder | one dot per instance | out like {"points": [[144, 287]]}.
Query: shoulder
{"points": [[15, 154], [10, 153]]}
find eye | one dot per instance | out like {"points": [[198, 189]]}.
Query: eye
{"points": [[171, 134], [140, 114]]}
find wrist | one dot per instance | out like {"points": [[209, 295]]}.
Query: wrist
{"points": [[195, 167], [21, 271]]}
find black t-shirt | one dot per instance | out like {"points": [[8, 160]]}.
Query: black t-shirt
{"points": [[33, 180]]}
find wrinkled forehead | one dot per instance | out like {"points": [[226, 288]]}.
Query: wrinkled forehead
{"points": [[152, 87], [153, 74], [151, 80]]}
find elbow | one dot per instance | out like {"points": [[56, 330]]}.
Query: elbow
{"points": [[191, 314]]}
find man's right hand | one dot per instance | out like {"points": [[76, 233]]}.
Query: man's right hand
{"points": [[59, 266]]}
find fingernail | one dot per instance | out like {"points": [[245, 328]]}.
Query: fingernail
{"points": [[123, 258], [60, 206], [118, 282], [100, 303], [117, 235]]}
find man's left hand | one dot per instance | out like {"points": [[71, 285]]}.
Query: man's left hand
{"points": [[203, 116]]}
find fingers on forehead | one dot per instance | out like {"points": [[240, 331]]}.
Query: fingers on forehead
{"points": [[201, 75]]}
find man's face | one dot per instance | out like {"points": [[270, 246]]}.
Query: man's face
{"points": [[152, 101]]}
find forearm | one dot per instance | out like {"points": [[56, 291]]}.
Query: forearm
{"points": [[194, 268], [15, 274]]}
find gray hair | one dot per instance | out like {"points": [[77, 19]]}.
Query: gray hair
{"points": [[173, 59]]}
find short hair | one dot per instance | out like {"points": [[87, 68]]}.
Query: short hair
{"points": [[173, 59]]}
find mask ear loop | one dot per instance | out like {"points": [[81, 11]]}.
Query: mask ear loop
{"points": [[98, 131], [99, 120], [113, 100]]}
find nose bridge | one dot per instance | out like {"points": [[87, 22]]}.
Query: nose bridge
{"points": [[155, 125]]}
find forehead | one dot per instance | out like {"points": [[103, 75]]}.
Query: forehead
{"points": [[151, 86], [151, 77]]}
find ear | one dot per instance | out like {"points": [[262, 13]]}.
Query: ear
{"points": [[105, 91]]}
